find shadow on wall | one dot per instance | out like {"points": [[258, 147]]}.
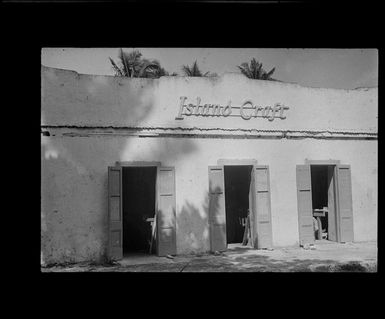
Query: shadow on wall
{"points": [[74, 215], [215, 210], [168, 150], [94, 100], [192, 229], [193, 224], [74, 175]]}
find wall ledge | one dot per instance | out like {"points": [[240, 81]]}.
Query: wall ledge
{"points": [[194, 132]]}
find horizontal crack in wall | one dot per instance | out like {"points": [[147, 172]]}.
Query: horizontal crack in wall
{"points": [[222, 134], [136, 129]]}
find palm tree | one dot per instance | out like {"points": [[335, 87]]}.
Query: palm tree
{"points": [[133, 65], [162, 72], [255, 71], [194, 70]]}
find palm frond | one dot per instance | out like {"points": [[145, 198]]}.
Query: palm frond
{"points": [[147, 66], [254, 70], [116, 69], [270, 73], [196, 70], [245, 69], [242, 69], [254, 65], [260, 71], [135, 61], [193, 70], [186, 70], [123, 60], [131, 64]]}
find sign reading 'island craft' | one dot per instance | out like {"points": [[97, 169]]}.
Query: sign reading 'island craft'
{"points": [[247, 110]]}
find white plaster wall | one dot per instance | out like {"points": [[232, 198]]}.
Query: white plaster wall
{"points": [[76, 99], [74, 169], [74, 186], [282, 156]]}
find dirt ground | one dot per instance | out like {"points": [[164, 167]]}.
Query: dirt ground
{"points": [[324, 257]]}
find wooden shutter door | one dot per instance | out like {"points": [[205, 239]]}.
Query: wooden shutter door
{"points": [[332, 221], [305, 206], [262, 220], [166, 211], [252, 207], [115, 212], [217, 213], [345, 215]]}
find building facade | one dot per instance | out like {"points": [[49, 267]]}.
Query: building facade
{"points": [[178, 163]]}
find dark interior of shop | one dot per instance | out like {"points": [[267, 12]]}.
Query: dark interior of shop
{"points": [[237, 184], [138, 205], [319, 186]]}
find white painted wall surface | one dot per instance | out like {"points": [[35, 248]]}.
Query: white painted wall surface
{"points": [[77, 99], [74, 169], [74, 185]]}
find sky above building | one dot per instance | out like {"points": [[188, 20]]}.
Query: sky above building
{"points": [[328, 68]]}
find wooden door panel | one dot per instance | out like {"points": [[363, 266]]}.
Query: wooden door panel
{"points": [[332, 222], [253, 208], [115, 211], [345, 203], [115, 218], [217, 212], [263, 206], [166, 211], [305, 206], [263, 235], [166, 214]]}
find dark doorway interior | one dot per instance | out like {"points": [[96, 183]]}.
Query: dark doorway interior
{"points": [[320, 186], [138, 205], [237, 184]]}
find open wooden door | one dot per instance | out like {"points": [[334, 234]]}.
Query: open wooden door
{"points": [[166, 211], [217, 213], [252, 206], [261, 208], [305, 206], [345, 205], [115, 214], [332, 220]]}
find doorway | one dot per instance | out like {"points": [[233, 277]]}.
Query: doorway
{"points": [[139, 203], [324, 210], [237, 187]]}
